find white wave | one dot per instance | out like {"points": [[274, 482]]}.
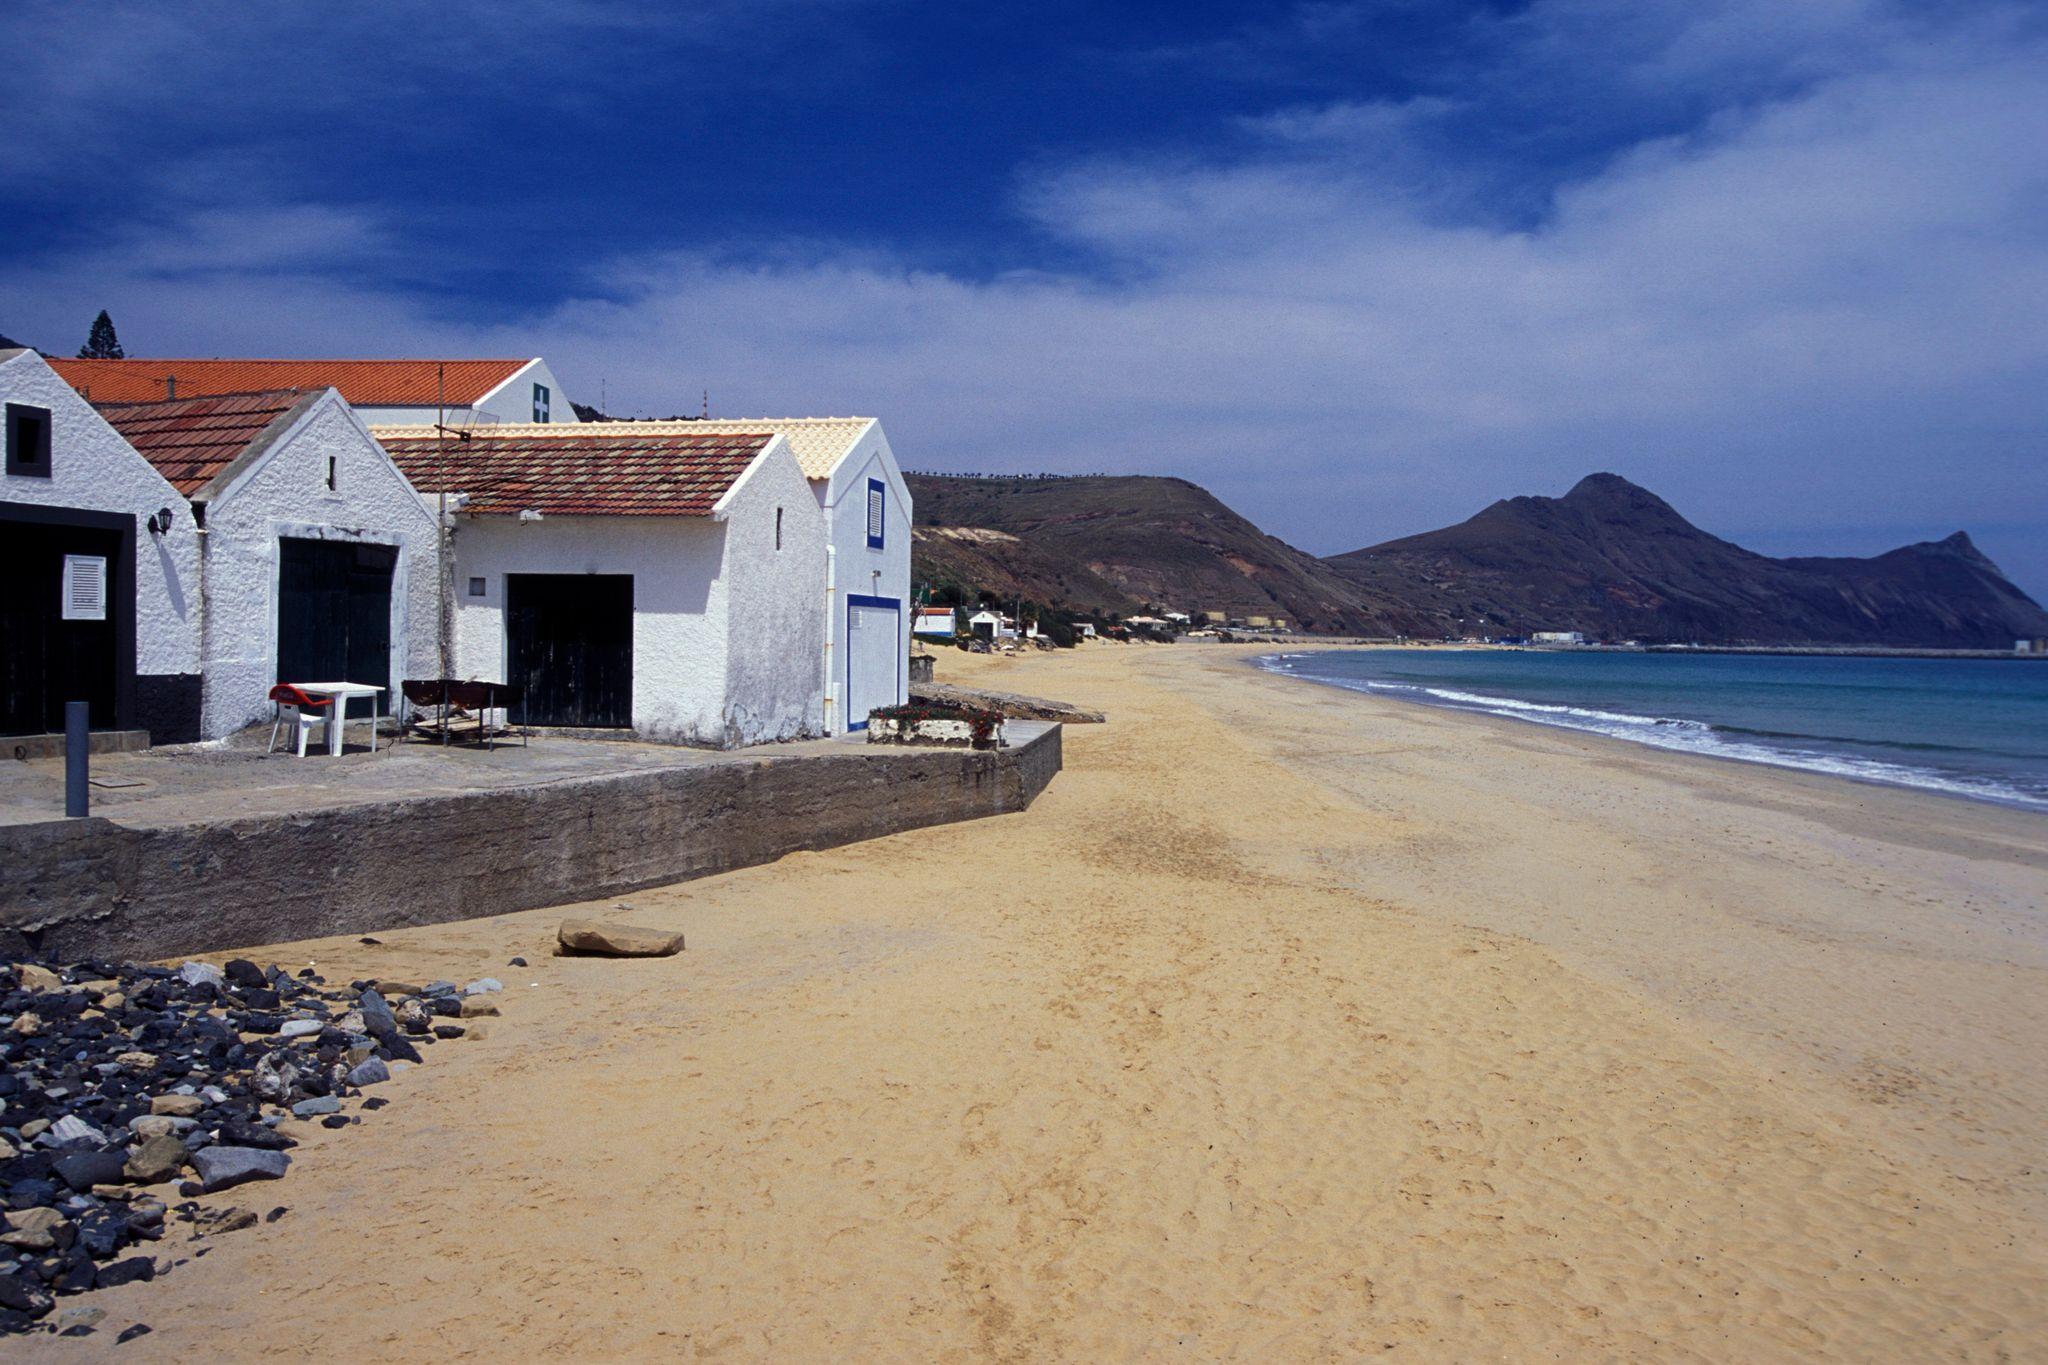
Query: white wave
{"points": [[1698, 737]]}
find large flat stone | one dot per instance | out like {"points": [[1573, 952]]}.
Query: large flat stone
{"points": [[592, 938]]}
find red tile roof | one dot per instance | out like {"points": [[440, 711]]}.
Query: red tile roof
{"points": [[582, 471], [367, 383], [191, 440]]}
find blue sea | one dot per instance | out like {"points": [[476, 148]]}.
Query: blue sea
{"points": [[1965, 727]]}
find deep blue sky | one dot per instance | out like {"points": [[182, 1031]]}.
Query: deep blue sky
{"points": [[1358, 267]]}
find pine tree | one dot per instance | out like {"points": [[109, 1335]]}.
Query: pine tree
{"points": [[102, 344]]}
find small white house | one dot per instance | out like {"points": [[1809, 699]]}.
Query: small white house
{"points": [[933, 621], [101, 563], [462, 393], [316, 556], [1084, 630], [853, 473], [632, 577], [1558, 637]]}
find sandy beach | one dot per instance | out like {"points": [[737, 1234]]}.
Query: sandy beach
{"points": [[1289, 1024]]}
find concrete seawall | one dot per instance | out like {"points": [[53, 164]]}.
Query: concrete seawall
{"points": [[94, 887]]}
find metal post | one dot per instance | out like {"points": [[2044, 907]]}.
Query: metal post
{"points": [[77, 759]]}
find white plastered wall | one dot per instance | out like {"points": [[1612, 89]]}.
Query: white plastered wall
{"points": [[94, 469], [284, 493], [726, 630], [776, 626], [858, 570], [679, 605]]}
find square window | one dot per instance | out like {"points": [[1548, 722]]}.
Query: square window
{"points": [[540, 402], [476, 587], [28, 440]]}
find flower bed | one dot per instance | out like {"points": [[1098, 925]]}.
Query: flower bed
{"points": [[936, 723]]}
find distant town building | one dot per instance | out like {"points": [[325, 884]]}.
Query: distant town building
{"points": [[2036, 646], [933, 621], [1558, 637]]}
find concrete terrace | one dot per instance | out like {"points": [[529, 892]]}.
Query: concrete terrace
{"points": [[219, 845], [192, 783]]}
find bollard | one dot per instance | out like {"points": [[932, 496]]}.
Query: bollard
{"points": [[77, 758]]}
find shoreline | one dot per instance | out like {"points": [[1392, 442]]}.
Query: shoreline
{"points": [[1941, 785]]}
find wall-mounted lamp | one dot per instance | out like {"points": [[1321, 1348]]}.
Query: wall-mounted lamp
{"points": [[160, 522]]}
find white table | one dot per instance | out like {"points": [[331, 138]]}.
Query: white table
{"points": [[341, 692]]}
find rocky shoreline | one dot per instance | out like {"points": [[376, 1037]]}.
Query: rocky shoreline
{"points": [[129, 1092]]}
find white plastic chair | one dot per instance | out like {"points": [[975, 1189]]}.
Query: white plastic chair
{"points": [[303, 713]]}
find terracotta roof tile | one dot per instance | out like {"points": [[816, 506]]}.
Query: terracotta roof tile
{"points": [[819, 443], [191, 440], [371, 383], [577, 471]]}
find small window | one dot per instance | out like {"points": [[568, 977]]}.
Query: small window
{"points": [[28, 440], [85, 588], [778, 529], [333, 473], [875, 490], [540, 402], [476, 587]]}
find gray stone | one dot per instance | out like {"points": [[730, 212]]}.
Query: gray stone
{"points": [[157, 1160], [312, 1109], [71, 1128], [83, 1170], [177, 1106], [592, 938], [370, 1071], [223, 1168], [299, 1028], [483, 986], [377, 1017], [201, 974]]}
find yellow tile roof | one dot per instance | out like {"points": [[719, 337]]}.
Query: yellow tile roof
{"points": [[819, 443]]}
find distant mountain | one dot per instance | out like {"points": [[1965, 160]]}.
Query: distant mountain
{"points": [[1618, 562], [1117, 544]]}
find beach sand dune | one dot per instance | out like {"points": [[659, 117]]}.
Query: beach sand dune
{"points": [[1236, 1045]]}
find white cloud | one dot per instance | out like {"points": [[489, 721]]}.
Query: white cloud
{"points": [[1824, 306]]}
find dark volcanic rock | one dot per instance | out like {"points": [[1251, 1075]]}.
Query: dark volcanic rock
{"points": [[83, 1170], [222, 1168]]}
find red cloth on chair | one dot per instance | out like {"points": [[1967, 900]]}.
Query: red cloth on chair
{"points": [[292, 696]]}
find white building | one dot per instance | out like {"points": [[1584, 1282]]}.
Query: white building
{"points": [[464, 392], [855, 478], [317, 559], [635, 576], [1558, 637], [935, 621], [101, 563]]}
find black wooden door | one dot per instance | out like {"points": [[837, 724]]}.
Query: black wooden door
{"points": [[46, 660], [334, 612], [569, 642]]}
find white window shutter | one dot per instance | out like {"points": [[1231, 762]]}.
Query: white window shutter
{"points": [[85, 588]]}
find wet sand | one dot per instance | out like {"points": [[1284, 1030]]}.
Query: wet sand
{"points": [[1288, 1024]]}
